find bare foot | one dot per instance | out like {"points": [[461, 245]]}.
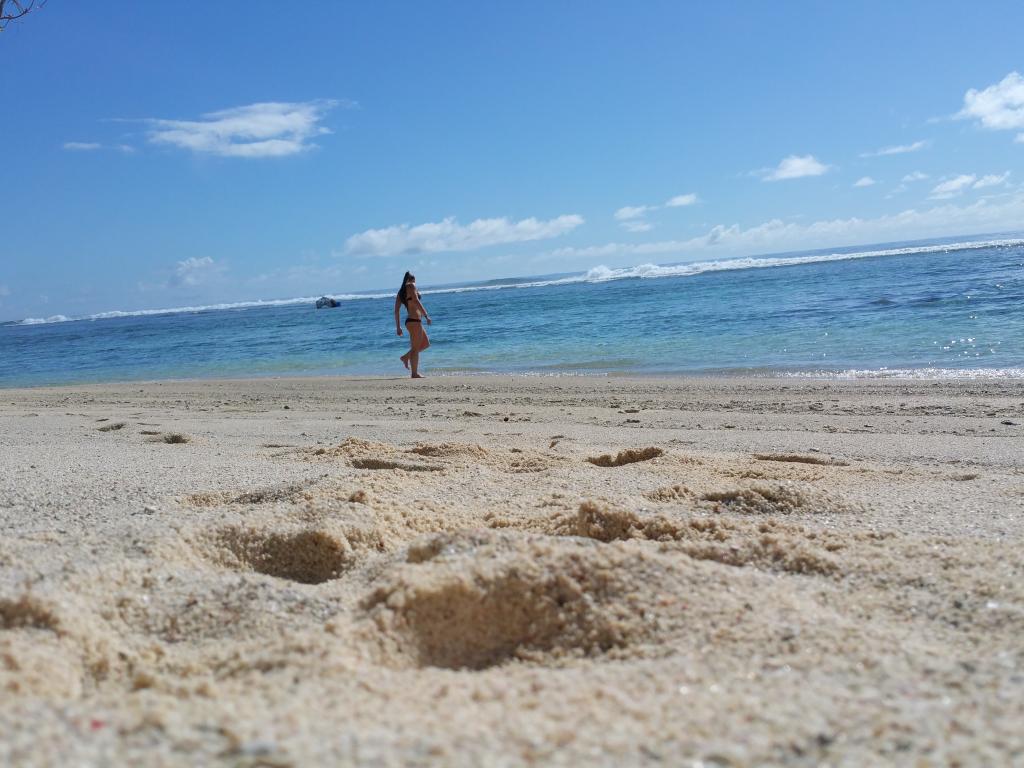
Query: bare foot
{"points": [[418, 376], [405, 361]]}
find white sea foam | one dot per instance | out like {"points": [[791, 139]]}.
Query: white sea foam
{"points": [[599, 274], [191, 310], [602, 274], [910, 373], [42, 320]]}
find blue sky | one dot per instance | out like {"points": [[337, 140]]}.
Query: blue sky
{"points": [[159, 158]]}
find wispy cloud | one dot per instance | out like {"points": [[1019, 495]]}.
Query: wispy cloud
{"points": [[631, 212], [270, 129], [721, 240], [999, 107], [794, 167], [864, 181], [680, 201], [449, 235], [963, 182], [637, 225], [194, 271], [953, 186], [92, 146], [992, 180], [631, 217], [910, 178], [899, 149]]}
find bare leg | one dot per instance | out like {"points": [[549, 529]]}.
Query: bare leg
{"points": [[414, 358]]}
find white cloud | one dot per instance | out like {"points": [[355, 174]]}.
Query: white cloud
{"points": [[193, 271], [953, 186], [271, 129], [915, 176], [999, 107], [449, 235], [991, 180], [637, 225], [92, 146], [631, 217], [796, 167], [944, 219], [864, 181], [1020, 138], [899, 149], [628, 212], [681, 200]]}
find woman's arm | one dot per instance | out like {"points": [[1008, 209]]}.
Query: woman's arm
{"points": [[398, 320]]}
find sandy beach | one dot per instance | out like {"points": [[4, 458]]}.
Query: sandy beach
{"points": [[513, 571]]}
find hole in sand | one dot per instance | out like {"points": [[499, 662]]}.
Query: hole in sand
{"points": [[112, 427], [798, 459], [670, 493], [293, 492], [768, 545], [174, 438], [527, 464], [628, 456], [306, 556], [389, 464], [497, 602], [764, 500], [289, 492], [26, 612], [450, 450]]}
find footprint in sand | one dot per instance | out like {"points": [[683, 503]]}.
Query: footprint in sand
{"points": [[767, 545], [799, 459], [287, 492], [308, 556], [628, 456], [478, 600], [172, 438], [405, 466]]}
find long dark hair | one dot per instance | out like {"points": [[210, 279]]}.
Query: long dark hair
{"points": [[409, 278]]}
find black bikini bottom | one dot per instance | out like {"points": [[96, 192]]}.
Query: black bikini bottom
{"points": [[411, 320]]}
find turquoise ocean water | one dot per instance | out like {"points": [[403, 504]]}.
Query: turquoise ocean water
{"points": [[953, 307]]}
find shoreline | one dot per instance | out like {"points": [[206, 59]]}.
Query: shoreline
{"points": [[1008, 374]]}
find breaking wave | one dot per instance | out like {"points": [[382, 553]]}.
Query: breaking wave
{"points": [[599, 274]]}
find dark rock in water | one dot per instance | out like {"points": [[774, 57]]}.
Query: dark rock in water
{"points": [[326, 302]]}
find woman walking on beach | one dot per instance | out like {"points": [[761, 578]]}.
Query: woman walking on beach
{"points": [[416, 314]]}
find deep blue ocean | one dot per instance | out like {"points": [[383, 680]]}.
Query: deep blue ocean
{"points": [[939, 308]]}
